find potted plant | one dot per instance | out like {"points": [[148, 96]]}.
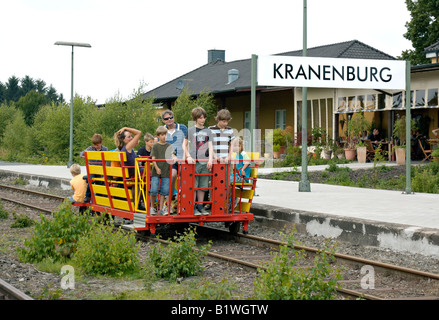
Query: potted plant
{"points": [[276, 151], [399, 132], [328, 148], [339, 152], [280, 139], [361, 152], [356, 125]]}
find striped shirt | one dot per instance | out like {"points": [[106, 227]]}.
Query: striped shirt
{"points": [[221, 140]]}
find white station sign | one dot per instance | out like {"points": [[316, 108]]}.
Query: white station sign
{"points": [[287, 71]]}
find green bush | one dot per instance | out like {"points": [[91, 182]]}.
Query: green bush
{"points": [[285, 279], [181, 258], [55, 238], [3, 213], [22, 221], [102, 251], [425, 180]]}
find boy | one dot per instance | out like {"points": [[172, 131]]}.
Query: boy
{"points": [[200, 148], [161, 170], [223, 139], [222, 136], [78, 184], [145, 151]]}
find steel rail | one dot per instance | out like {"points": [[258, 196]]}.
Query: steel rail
{"points": [[10, 291]]}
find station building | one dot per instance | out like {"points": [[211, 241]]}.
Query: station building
{"points": [[330, 109]]}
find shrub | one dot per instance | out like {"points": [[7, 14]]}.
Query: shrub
{"points": [[425, 180], [55, 238], [103, 251], [3, 213], [181, 258], [284, 279], [22, 221]]}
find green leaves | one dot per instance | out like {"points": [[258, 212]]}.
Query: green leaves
{"points": [[181, 258], [103, 251], [288, 278], [55, 238]]}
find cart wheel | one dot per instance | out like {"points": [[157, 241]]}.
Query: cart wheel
{"points": [[234, 227]]}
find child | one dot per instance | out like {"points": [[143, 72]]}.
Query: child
{"points": [[222, 137], [242, 169], [145, 151], [161, 170], [200, 148], [78, 184]]}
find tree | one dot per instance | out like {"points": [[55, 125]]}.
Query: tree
{"points": [[12, 89], [27, 84], [30, 104], [422, 29], [2, 92]]}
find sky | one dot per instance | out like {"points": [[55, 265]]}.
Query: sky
{"points": [[144, 44]]}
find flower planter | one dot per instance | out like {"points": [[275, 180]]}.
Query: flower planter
{"points": [[327, 154], [350, 154], [361, 154], [400, 156]]}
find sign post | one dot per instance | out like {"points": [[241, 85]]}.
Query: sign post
{"points": [[304, 185]]}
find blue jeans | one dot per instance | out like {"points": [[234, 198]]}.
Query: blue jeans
{"points": [[164, 186]]}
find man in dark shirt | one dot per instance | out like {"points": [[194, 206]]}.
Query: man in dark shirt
{"points": [[375, 137]]}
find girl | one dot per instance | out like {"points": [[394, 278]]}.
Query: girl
{"points": [[125, 142], [242, 169]]}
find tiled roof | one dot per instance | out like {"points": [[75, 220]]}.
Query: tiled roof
{"points": [[433, 48], [214, 75]]}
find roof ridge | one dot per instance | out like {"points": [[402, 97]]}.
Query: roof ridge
{"points": [[368, 46], [317, 47]]}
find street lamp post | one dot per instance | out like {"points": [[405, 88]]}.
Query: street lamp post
{"points": [[71, 44]]}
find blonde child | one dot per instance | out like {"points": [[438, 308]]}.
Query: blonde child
{"points": [[242, 166], [78, 184], [145, 151]]}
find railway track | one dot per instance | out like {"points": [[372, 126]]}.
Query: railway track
{"points": [[8, 292], [389, 281]]}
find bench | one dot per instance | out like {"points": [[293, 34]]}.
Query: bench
{"points": [[110, 185]]}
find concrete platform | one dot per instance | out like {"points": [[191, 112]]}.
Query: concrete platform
{"points": [[381, 218]]}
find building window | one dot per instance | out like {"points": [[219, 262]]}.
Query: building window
{"points": [[420, 98], [432, 98], [280, 119], [342, 104], [247, 123], [370, 102], [381, 101], [397, 100]]}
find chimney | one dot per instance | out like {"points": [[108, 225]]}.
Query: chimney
{"points": [[213, 55]]}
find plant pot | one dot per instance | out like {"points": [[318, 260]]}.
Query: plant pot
{"points": [[340, 156], [327, 154], [350, 154], [276, 154], [361, 154], [400, 156], [282, 149]]}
